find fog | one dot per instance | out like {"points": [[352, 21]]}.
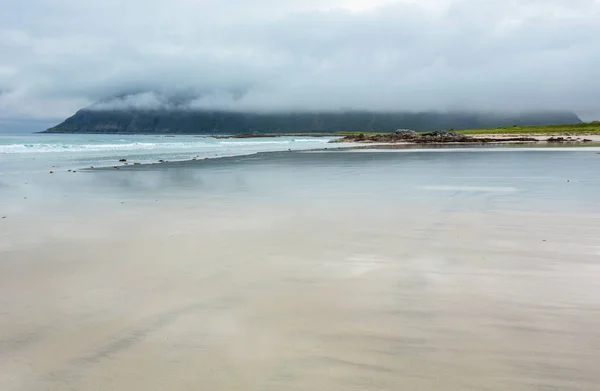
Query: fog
{"points": [[260, 55]]}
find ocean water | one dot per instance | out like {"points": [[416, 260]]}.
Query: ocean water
{"points": [[420, 269], [40, 152]]}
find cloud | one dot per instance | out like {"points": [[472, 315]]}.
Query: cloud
{"points": [[61, 55], [140, 101]]}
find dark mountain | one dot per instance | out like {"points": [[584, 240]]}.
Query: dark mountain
{"points": [[183, 121]]}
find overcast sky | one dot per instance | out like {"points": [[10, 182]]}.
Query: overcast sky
{"points": [[57, 56]]}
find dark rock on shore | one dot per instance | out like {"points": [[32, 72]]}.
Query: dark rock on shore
{"points": [[567, 140], [405, 133], [435, 137]]}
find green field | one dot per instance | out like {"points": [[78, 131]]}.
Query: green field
{"points": [[586, 128], [573, 129], [570, 129]]}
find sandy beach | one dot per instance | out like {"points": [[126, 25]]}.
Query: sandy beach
{"points": [[595, 137], [339, 195], [195, 276]]}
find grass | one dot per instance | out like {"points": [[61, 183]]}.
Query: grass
{"points": [[572, 129]]}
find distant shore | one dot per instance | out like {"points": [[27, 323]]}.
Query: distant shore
{"points": [[572, 133], [445, 138]]}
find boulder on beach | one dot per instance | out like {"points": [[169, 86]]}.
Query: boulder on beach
{"points": [[405, 133]]}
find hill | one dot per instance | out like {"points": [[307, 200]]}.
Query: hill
{"points": [[180, 121]]}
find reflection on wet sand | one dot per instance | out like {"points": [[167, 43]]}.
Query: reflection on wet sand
{"points": [[295, 271], [270, 299]]}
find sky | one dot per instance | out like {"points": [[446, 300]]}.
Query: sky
{"points": [[57, 56]]}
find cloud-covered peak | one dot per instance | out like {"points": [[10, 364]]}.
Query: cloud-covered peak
{"points": [[299, 55]]}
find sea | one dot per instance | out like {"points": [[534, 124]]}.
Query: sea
{"points": [[33, 151], [287, 263]]}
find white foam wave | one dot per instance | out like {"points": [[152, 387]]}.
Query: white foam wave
{"points": [[58, 147], [145, 146]]}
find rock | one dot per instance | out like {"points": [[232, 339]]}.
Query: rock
{"points": [[556, 140], [444, 136], [436, 137], [586, 140], [137, 163], [405, 133], [122, 160]]}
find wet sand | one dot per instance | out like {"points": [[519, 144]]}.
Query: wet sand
{"points": [[252, 294], [310, 300]]}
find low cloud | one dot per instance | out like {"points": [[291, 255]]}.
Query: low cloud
{"points": [[140, 101], [299, 55]]}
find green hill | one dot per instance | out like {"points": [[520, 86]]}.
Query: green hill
{"points": [[180, 121]]}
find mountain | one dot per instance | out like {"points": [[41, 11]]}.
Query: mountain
{"points": [[187, 121]]}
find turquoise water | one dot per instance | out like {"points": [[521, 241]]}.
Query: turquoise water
{"points": [[43, 152]]}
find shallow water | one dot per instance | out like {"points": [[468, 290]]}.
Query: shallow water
{"points": [[447, 270], [42, 152]]}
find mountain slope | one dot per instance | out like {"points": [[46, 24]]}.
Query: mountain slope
{"points": [[223, 122]]}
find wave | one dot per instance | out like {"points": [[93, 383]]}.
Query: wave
{"points": [[47, 148], [143, 146]]}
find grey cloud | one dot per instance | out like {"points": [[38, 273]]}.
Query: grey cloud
{"points": [[300, 55]]}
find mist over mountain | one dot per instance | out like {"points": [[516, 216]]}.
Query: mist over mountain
{"points": [[148, 113], [308, 56]]}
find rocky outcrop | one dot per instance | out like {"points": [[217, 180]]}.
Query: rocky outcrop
{"points": [[567, 140], [436, 137]]}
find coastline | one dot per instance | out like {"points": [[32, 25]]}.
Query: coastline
{"points": [[451, 138], [339, 146], [132, 153]]}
